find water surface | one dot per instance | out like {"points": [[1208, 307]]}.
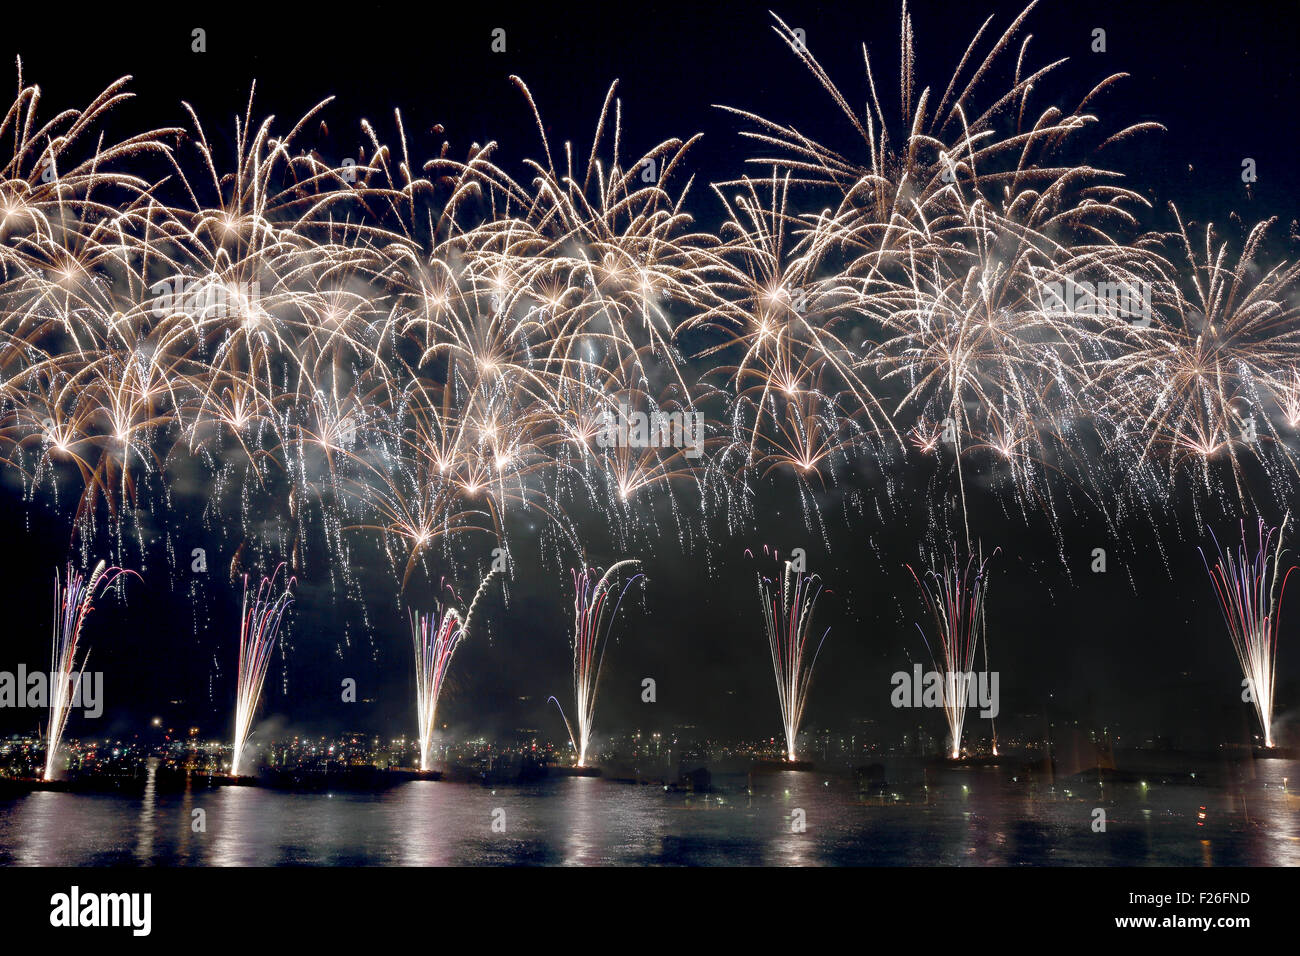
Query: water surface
{"points": [[985, 820]]}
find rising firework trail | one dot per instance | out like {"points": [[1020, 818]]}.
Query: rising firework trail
{"points": [[1249, 583], [73, 599], [788, 607], [436, 635], [955, 600], [257, 632], [590, 634]]}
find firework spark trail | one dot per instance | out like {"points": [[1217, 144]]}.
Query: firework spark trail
{"points": [[422, 350], [436, 635], [1247, 584], [955, 600], [788, 608], [72, 603], [591, 629], [258, 628]]}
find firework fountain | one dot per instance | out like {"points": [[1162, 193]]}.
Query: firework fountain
{"points": [[73, 599], [955, 599], [257, 632], [436, 636], [590, 634], [1249, 584], [848, 298], [788, 607]]}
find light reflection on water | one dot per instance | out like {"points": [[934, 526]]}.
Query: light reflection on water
{"points": [[586, 821]]}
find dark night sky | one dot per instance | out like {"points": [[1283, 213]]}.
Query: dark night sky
{"points": [[1142, 646]]}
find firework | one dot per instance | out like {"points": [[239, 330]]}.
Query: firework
{"points": [[1250, 584], [955, 599], [789, 602], [259, 625], [593, 619], [418, 348], [73, 599], [436, 635]]}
